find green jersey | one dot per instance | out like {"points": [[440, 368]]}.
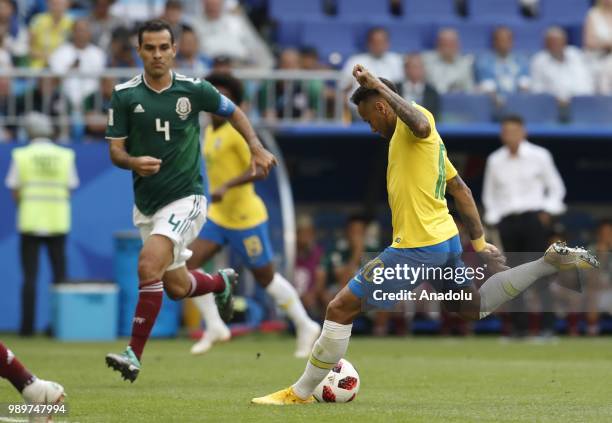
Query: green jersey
{"points": [[165, 125]]}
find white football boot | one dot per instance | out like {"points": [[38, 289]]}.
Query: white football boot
{"points": [[220, 333], [566, 258]]}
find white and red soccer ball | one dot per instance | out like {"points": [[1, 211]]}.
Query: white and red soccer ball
{"points": [[340, 385]]}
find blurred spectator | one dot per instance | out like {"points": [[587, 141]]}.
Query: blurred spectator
{"points": [[415, 87], [343, 262], [221, 64], [290, 99], [103, 24], [188, 56], [604, 79], [13, 34], [122, 51], [598, 28], [309, 59], [48, 31], [46, 98], [82, 56], [560, 70], [96, 107], [6, 62], [522, 191], [41, 176], [7, 108], [378, 60], [309, 272], [173, 14], [501, 71], [446, 69], [228, 34], [137, 10]]}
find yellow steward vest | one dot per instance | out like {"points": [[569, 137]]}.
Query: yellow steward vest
{"points": [[44, 197]]}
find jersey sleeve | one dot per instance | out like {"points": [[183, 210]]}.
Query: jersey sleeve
{"points": [[210, 99], [117, 120], [451, 172]]}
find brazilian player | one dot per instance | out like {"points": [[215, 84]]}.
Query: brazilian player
{"points": [[154, 131], [238, 217], [419, 173]]}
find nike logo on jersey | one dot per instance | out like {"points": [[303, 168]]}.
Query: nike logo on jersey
{"points": [[138, 109]]}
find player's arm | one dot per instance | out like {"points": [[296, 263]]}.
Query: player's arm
{"points": [[466, 207], [410, 115], [142, 165], [260, 157], [242, 179]]}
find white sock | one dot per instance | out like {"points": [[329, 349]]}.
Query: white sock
{"points": [[208, 310], [504, 286], [326, 352], [286, 297]]}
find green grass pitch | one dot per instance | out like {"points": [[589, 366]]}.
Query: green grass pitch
{"points": [[402, 380]]}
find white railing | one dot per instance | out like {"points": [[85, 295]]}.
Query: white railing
{"points": [[271, 97]]}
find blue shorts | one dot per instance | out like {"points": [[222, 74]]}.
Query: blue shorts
{"points": [[399, 269], [252, 244]]}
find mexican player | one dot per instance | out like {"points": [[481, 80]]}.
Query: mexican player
{"points": [[419, 174], [238, 217], [154, 131]]}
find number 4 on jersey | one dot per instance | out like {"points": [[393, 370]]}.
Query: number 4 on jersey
{"points": [[165, 129]]}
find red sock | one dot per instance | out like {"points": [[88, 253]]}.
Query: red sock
{"points": [[149, 303], [12, 369], [203, 283]]}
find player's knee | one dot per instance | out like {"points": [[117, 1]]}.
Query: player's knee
{"points": [[337, 310], [176, 292], [149, 269]]}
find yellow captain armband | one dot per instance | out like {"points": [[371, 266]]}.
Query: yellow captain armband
{"points": [[479, 244]]}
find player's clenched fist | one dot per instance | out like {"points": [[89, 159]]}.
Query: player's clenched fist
{"points": [[495, 260], [145, 165], [365, 78], [263, 159]]}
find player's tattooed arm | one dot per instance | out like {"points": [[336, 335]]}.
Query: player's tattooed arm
{"points": [[466, 206], [410, 115]]}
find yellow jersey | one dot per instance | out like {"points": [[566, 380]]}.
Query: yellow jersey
{"points": [[227, 156], [416, 183], [46, 36]]}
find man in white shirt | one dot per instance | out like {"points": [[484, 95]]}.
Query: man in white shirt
{"points": [[446, 68], [378, 59], [560, 70], [522, 190], [79, 55], [227, 34]]}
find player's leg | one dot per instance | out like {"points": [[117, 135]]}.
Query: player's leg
{"points": [[204, 250], [506, 285], [33, 390], [155, 256], [327, 351], [286, 297]]}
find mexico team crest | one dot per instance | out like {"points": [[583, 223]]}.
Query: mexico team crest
{"points": [[183, 107]]}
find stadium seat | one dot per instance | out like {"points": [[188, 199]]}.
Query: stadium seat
{"points": [[533, 108], [591, 110], [406, 38], [361, 9], [465, 108], [282, 9], [288, 32], [528, 36], [493, 10], [436, 10], [564, 11], [329, 36]]}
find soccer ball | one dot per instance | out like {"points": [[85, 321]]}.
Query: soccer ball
{"points": [[340, 385]]}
